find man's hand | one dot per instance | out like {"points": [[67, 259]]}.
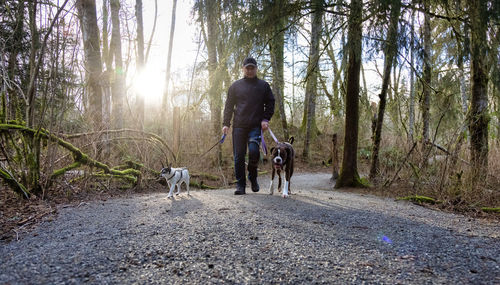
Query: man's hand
{"points": [[225, 130], [264, 125]]}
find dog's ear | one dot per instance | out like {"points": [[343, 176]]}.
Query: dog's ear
{"points": [[291, 140], [271, 150]]}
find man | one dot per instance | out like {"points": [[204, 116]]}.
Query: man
{"points": [[251, 101]]}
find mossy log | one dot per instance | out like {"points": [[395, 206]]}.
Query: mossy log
{"points": [[14, 184], [206, 176], [78, 156], [201, 185], [491, 210], [129, 178], [419, 199]]}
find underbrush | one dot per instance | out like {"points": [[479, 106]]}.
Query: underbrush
{"points": [[447, 177]]}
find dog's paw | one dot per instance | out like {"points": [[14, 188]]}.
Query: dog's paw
{"points": [[285, 193], [170, 196]]}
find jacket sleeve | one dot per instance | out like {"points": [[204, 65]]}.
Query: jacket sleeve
{"points": [[229, 107], [268, 103]]}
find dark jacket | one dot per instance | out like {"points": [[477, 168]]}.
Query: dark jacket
{"points": [[251, 100]]}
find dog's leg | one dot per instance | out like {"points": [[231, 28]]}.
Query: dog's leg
{"points": [[178, 185], [171, 190], [271, 187], [286, 191], [187, 183], [279, 180]]}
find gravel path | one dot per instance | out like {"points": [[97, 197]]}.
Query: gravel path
{"points": [[316, 236]]}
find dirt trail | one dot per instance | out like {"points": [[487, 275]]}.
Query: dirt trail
{"points": [[316, 236]]}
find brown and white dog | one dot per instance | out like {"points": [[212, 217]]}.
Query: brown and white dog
{"points": [[283, 156]]}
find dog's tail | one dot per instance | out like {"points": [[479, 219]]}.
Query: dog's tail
{"points": [[291, 139]]}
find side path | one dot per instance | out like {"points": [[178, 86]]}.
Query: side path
{"points": [[214, 237]]}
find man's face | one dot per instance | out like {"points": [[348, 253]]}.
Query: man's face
{"points": [[250, 71]]}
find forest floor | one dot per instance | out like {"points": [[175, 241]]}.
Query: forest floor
{"points": [[212, 236]]}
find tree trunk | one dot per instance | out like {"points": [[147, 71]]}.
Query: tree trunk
{"points": [[411, 111], [390, 52], [13, 94], [277, 59], [349, 173], [118, 86], [169, 63], [312, 76], [140, 62], [478, 114], [214, 94], [106, 77], [93, 65], [426, 100]]}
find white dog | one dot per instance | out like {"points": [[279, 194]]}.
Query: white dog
{"points": [[175, 177]]}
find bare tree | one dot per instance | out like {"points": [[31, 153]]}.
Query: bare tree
{"points": [[312, 75], [390, 52], [427, 73], [478, 115], [169, 63], [118, 86], [277, 46], [140, 61], [349, 173], [411, 111], [93, 65], [214, 94]]}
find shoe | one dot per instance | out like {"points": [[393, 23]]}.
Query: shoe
{"points": [[255, 185], [239, 191]]}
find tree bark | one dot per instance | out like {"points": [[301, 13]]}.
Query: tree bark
{"points": [[214, 94], [277, 59], [118, 85], [411, 111], [140, 62], [312, 77], [13, 94], [169, 64], [93, 65], [478, 114], [390, 52], [426, 80], [349, 173]]}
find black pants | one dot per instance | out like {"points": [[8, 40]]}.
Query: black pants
{"points": [[241, 138]]}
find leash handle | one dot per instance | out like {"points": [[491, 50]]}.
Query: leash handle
{"points": [[263, 143], [222, 138]]}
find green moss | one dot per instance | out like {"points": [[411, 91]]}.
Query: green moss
{"points": [[16, 186], [491, 210], [206, 176], [200, 185], [128, 178], [356, 182], [61, 171], [419, 199]]}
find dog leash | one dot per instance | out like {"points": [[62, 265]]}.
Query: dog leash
{"points": [[263, 142], [218, 142]]}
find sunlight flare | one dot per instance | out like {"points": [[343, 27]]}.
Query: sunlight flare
{"points": [[150, 85]]}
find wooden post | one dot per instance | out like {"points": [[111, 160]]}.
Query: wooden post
{"points": [[335, 158], [177, 130]]}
